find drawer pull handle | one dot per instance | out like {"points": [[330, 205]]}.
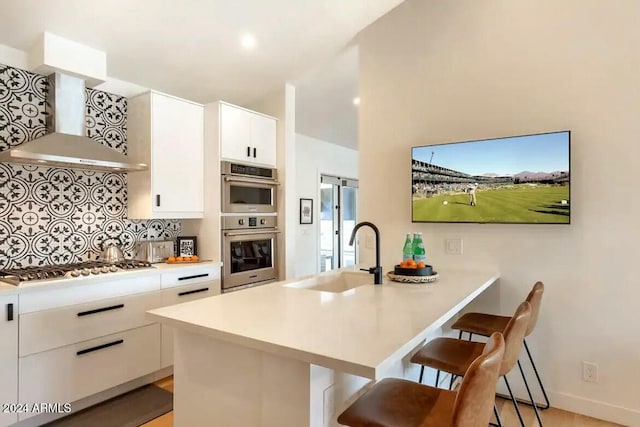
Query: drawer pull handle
{"points": [[99, 347], [195, 291], [9, 312], [197, 276], [100, 310]]}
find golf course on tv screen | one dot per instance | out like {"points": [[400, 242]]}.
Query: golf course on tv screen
{"points": [[518, 180]]}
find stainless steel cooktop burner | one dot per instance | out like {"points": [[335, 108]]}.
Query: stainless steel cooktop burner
{"points": [[87, 268]]}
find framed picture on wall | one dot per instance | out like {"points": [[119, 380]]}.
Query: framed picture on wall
{"points": [[187, 245], [306, 211]]}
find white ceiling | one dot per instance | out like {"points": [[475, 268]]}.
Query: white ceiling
{"points": [[191, 48], [324, 101]]}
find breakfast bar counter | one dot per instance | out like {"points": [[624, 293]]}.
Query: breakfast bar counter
{"points": [[266, 356]]}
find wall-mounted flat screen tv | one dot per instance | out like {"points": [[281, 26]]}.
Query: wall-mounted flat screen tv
{"points": [[515, 180]]}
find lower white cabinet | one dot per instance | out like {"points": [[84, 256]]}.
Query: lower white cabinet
{"points": [[8, 357], [72, 372], [80, 322], [179, 295], [77, 341]]}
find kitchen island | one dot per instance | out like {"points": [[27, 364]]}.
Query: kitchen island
{"points": [[293, 353]]}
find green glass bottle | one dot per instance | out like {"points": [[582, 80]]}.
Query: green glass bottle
{"points": [[407, 250], [419, 254]]}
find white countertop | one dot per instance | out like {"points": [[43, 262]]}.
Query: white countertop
{"points": [[358, 331], [8, 289]]}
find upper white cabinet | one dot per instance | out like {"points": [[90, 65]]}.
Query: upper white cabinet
{"points": [[247, 136], [9, 356], [168, 134]]}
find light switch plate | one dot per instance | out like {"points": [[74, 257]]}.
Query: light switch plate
{"points": [[453, 246]]}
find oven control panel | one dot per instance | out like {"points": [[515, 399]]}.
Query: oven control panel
{"points": [[240, 222], [229, 168]]}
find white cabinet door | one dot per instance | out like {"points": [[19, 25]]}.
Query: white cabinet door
{"points": [[178, 295], [82, 322], [235, 134], [73, 372], [263, 140], [8, 356], [247, 137], [177, 160]]}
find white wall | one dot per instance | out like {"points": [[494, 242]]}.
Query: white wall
{"points": [[440, 71], [315, 157]]}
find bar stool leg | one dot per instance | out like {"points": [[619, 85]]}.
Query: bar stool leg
{"points": [[497, 414], [515, 402], [460, 334], [437, 378], [544, 393], [421, 373], [526, 385], [453, 377]]}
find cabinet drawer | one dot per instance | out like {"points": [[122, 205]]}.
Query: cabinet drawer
{"points": [[176, 296], [72, 372], [44, 330], [189, 275], [83, 290]]}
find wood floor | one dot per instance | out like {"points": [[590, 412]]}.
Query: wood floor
{"points": [[551, 417]]}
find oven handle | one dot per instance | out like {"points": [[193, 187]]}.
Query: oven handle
{"points": [[265, 181], [249, 233]]}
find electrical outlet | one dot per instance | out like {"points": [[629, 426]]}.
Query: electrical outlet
{"points": [[329, 404], [453, 246], [590, 372]]}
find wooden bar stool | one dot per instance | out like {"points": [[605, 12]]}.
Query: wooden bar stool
{"points": [[486, 324], [454, 355], [400, 403]]}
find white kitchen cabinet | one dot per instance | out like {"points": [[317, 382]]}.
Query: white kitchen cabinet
{"points": [[184, 285], [179, 295], [168, 134], [73, 372], [246, 136], [8, 356], [80, 322]]}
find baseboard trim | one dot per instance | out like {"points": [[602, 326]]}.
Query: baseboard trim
{"points": [[596, 409]]}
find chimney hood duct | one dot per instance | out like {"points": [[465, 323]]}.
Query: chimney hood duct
{"points": [[65, 144]]}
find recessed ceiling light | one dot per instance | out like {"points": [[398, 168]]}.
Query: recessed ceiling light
{"points": [[356, 100], [248, 41]]}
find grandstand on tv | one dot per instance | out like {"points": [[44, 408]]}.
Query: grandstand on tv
{"points": [[429, 179]]}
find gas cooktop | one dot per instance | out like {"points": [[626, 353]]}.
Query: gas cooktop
{"points": [[81, 269]]}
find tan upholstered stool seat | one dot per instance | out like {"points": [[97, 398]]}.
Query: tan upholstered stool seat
{"points": [[486, 324], [448, 354], [481, 323], [400, 403]]}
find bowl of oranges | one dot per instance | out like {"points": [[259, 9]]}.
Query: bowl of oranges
{"points": [[413, 268], [182, 259]]}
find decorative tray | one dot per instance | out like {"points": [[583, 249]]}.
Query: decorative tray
{"points": [[195, 261], [412, 279], [427, 270]]}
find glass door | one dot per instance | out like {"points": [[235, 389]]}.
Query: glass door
{"points": [[338, 201]]}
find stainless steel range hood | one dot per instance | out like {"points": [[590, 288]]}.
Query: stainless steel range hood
{"points": [[65, 144]]}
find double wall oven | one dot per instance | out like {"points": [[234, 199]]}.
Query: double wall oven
{"points": [[249, 226]]}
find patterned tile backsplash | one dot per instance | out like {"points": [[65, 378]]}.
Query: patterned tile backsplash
{"points": [[53, 215]]}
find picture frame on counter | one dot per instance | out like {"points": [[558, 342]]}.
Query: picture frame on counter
{"points": [[186, 246], [306, 211]]}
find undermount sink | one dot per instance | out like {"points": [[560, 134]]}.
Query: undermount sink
{"points": [[333, 282]]}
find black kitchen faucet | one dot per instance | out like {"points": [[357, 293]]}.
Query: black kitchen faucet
{"points": [[377, 270]]}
